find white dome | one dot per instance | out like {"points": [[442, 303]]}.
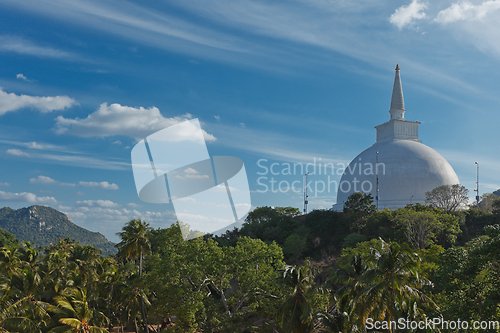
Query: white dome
{"points": [[406, 170], [406, 167]]}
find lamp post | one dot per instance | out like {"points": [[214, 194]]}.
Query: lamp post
{"points": [[477, 184], [376, 171], [305, 194]]}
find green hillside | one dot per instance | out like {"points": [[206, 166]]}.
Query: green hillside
{"points": [[42, 225]]}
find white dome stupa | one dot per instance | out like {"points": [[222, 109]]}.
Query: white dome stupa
{"points": [[398, 165]]}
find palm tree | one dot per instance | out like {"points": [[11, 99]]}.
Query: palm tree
{"points": [[110, 285], [134, 245], [82, 259], [9, 261], [129, 299], [56, 274], [22, 301], [296, 313], [75, 314], [391, 285], [341, 316]]}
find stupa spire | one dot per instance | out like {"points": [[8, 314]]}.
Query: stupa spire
{"points": [[397, 101]]}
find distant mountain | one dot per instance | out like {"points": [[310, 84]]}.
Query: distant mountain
{"points": [[42, 225], [497, 193]]}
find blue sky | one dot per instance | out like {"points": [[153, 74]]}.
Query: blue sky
{"points": [[280, 82]]}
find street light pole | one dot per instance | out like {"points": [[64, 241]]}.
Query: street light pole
{"points": [[477, 184], [376, 171], [305, 194]]}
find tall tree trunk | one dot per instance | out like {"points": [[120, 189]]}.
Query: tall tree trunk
{"points": [[110, 325], [142, 299], [140, 265]]}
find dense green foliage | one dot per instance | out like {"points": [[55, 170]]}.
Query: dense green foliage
{"points": [[7, 239], [414, 264], [42, 225], [213, 288], [468, 279], [448, 197], [323, 233]]}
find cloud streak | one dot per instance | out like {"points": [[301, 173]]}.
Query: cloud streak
{"points": [[465, 11], [99, 185], [48, 181], [17, 152], [72, 159], [407, 15], [97, 203], [22, 77], [115, 119], [23, 46], [11, 102], [267, 35], [27, 198]]}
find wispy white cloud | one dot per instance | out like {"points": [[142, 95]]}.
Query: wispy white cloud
{"points": [[407, 15], [35, 145], [463, 163], [4, 184], [116, 119], [132, 21], [278, 146], [27, 197], [12, 102], [266, 35], [82, 161], [108, 220], [48, 181], [97, 203], [63, 155], [21, 45], [99, 185], [17, 152], [473, 22], [461, 11], [22, 77], [79, 160]]}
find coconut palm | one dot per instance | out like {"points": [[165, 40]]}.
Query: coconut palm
{"points": [[74, 313], [56, 273], [134, 245], [391, 285], [24, 309], [296, 313], [82, 259], [110, 285], [10, 261], [341, 315], [132, 299]]}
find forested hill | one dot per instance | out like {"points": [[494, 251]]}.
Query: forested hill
{"points": [[42, 225]]}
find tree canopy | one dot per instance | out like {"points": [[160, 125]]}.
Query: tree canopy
{"points": [[448, 197]]}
